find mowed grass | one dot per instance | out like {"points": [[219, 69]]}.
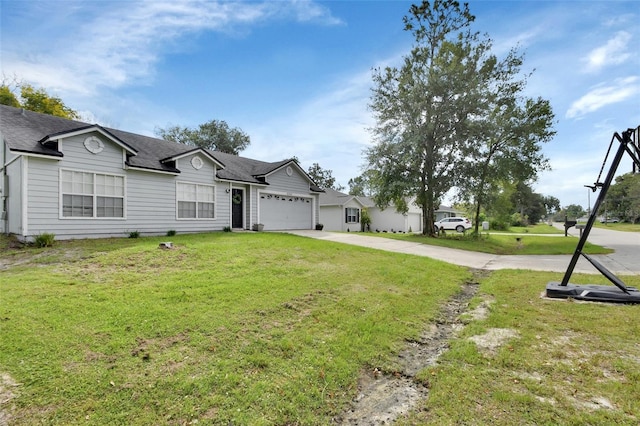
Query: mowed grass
{"points": [[626, 227], [502, 243], [227, 328], [565, 363]]}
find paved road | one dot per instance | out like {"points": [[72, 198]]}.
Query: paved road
{"points": [[625, 261]]}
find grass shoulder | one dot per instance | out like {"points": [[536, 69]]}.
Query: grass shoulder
{"points": [[503, 243], [625, 227]]}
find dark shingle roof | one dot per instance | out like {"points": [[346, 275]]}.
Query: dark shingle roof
{"points": [[23, 130], [331, 197]]}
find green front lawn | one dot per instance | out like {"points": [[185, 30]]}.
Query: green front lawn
{"points": [[226, 328], [261, 328], [565, 363]]}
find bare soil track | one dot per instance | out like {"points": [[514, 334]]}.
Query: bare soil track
{"points": [[384, 397]]}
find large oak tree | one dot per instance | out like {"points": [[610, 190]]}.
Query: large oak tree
{"points": [[214, 135], [449, 112]]}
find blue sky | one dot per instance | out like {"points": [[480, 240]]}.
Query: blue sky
{"points": [[296, 75]]}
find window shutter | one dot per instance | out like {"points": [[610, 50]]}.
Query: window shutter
{"points": [[346, 215], [358, 215]]}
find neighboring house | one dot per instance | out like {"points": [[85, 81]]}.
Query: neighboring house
{"points": [[79, 180], [341, 212], [446, 211], [390, 220]]}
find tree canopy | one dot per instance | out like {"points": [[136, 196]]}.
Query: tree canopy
{"points": [[214, 135], [452, 116], [37, 100], [323, 177], [623, 198]]}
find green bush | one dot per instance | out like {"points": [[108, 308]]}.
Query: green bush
{"points": [[134, 234], [518, 220], [498, 225], [227, 229], [44, 240], [171, 232]]}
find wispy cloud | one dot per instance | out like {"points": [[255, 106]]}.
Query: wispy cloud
{"points": [[614, 52], [123, 45], [603, 95]]}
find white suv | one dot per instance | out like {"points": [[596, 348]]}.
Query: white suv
{"points": [[459, 224]]}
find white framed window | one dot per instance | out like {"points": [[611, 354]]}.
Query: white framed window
{"points": [[195, 201], [352, 215], [91, 195]]}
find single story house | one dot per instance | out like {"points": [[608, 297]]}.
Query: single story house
{"points": [[80, 180], [341, 212]]}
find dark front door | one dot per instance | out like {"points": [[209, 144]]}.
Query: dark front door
{"points": [[236, 208]]}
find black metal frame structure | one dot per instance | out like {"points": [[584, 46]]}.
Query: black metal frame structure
{"points": [[630, 144]]}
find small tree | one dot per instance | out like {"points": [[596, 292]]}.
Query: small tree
{"points": [[323, 177], [365, 219]]}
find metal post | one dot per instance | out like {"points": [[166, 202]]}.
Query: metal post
{"points": [[596, 206]]}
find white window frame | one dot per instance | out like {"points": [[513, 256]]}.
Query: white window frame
{"points": [[196, 185], [94, 195], [352, 218]]}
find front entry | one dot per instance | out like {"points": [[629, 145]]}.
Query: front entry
{"points": [[237, 209]]}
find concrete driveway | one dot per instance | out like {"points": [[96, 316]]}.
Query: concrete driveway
{"points": [[625, 261]]}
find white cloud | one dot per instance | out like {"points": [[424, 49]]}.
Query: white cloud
{"points": [[121, 44], [614, 52], [602, 95], [330, 130]]}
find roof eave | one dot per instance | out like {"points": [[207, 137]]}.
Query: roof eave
{"points": [[89, 129]]}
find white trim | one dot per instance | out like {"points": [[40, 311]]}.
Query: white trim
{"points": [[241, 182], [59, 137], [215, 202], [288, 194], [25, 197], [142, 169], [95, 196], [195, 152], [89, 144], [244, 206], [8, 163], [29, 154]]}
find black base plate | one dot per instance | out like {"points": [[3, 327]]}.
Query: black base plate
{"points": [[592, 292]]}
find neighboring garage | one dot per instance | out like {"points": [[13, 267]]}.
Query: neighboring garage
{"points": [[279, 212], [414, 222]]}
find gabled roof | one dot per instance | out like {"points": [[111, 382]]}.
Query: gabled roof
{"points": [[331, 197], [204, 152], [27, 132], [85, 130]]}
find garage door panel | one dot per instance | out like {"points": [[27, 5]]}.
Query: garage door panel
{"points": [[278, 212]]}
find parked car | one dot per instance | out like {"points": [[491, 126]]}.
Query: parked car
{"points": [[459, 224], [609, 220]]}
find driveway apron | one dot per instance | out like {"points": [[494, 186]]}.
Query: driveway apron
{"points": [[625, 263]]}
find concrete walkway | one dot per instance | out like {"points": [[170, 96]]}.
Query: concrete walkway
{"points": [[627, 265]]}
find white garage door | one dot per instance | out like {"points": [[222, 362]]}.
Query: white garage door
{"points": [[415, 222], [285, 212]]}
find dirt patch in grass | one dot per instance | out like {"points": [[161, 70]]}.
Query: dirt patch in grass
{"points": [[385, 396], [493, 339], [8, 389]]}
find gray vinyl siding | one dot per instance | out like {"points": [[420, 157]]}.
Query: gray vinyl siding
{"points": [[279, 181], [296, 184], [14, 202], [150, 197]]}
